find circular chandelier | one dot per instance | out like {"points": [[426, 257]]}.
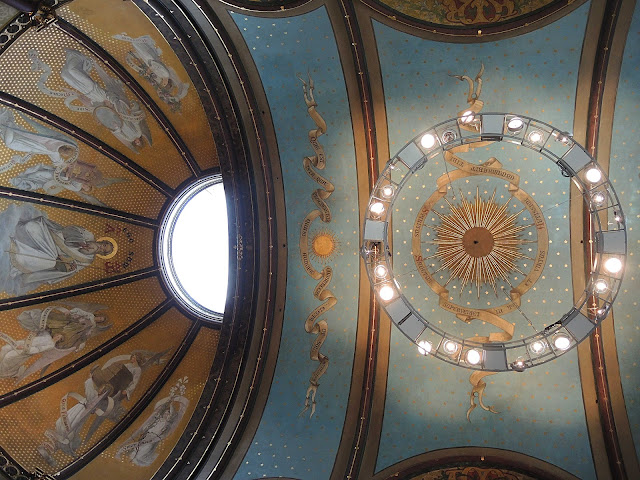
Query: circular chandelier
{"points": [[490, 241]]}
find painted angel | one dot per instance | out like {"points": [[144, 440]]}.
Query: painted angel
{"points": [[140, 447], [145, 58], [105, 390], [54, 332], [105, 98], [41, 140]]}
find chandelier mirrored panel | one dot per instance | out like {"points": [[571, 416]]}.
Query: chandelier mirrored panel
{"points": [[468, 251]]}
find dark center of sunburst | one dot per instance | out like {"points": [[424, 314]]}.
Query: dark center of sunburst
{"points": [[478, 242]]}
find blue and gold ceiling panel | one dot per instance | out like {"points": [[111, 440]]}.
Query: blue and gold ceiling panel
{"points": [[148, 441], [299, 66], [53, 427], [534, 74]]}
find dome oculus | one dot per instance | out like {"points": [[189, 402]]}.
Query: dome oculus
{"points": [[194, 248]]}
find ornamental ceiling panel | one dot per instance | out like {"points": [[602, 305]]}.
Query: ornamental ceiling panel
{"points": [[44, 248], [425, 83], [146, 444], [36, 157], [57, 333], [53, 71], [128, 35], [53, 427]]}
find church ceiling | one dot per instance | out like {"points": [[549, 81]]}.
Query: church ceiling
{"points": [[298, 105]]}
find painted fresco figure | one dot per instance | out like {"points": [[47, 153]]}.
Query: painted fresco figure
{"points": [[140, 447], [104, 391], [55, 331], [145, 58], [79, 177], [38, 251], [43, 141], [106, 100]]}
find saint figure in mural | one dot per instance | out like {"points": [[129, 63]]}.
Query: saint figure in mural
{"points": [[105, 99], [140, 447], [104, 392], [79, 177], [41, 141], [66, 171], [38, 251], [145, 58], [54, 332]]}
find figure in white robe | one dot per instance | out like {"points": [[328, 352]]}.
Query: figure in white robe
{"points": [[106, 100], [40, 251], [43, 141], [145, 58], [15, 353], [78, 177]]}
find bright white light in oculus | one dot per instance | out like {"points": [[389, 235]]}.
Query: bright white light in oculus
{"points": [[535, 137], [380, 271], [194, 248], [428, 140], [473, 357], [613, 265], [424, 347], [387, 191], [450, 346], [562, 342], [515, 125], [386, 293], [593, 175], [376, 208]]}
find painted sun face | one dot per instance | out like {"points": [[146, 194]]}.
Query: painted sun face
{"points": [[324, 245]]}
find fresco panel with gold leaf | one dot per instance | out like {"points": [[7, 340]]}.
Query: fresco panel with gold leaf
{"points": [[130, 37], [44, 248], [146, 444], [35, 157], [53, 71], [40, 339], [53, 427]]}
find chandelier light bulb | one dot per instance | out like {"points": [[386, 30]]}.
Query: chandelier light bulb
{"points": [[376, 208], [387, 191], [467, 117], [535, 137], [537, 347], [448, 136], [450, 346], [601, 312], [380, 271], [473, 357], [613, 265], [593, 175], [562, 342], [515, 125], [424, 347], [386, 293], [598, 198], [601, 286], [428, 140]]}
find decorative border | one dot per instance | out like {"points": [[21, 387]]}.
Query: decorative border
{"points": [[486, 32]]}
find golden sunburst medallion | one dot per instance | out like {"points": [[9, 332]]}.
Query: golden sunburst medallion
{"points": [[479, 242], [324, 246]]}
